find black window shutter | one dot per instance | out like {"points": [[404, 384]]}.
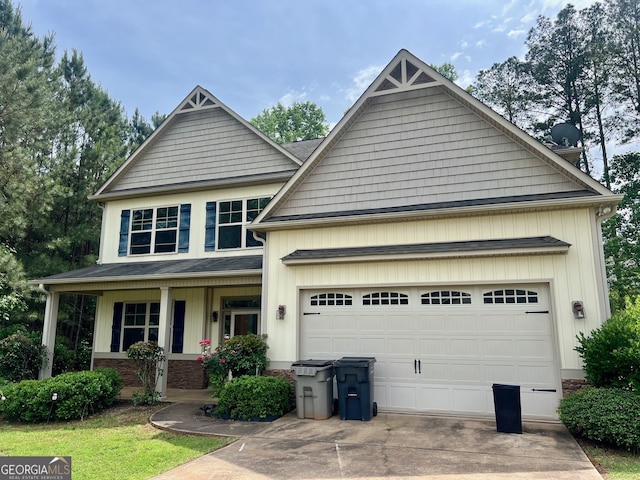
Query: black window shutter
{"points": [[178, 326], [124, 233], [185, 221], [210, 228], [116, 327]]}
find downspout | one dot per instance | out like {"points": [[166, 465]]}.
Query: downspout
{"points": [[602, 213]]}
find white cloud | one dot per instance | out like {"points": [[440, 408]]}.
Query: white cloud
{"points": [[455, 56], [481, 43], [481, 24], [465, 78], [516, 33], [361, 80], [464, 44], [291, 97]]}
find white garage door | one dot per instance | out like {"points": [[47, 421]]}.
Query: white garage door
{"points": [[440, 349]]}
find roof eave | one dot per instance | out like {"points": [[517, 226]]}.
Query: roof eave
{"points": [[609, 201], [153, 277], [278, 177]]}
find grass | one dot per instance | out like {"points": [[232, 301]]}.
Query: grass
{"points": [[117, 443], [612, 464]]}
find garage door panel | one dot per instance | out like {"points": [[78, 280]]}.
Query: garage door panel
{"points": [[500, 373], [498, 349], [469, 400], [461, 349], [434, 372], [533, 349]]}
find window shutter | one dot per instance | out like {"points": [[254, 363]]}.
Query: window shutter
{"points": [[178, 326], [183, 234], [210, 228], [116, 326], [124, 233]]}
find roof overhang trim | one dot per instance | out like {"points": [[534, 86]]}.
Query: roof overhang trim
{"points": [[598, 202], [431, 251]]}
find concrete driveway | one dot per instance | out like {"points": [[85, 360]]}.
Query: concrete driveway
{"points": [[393, 446]]}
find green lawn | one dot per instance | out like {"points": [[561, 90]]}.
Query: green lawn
{"points": [[612, 464], [117, 443]]}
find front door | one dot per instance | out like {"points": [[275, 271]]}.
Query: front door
{"points": [[241, 322]]}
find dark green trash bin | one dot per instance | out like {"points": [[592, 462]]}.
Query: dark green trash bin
{"points": [[354, 378], [506, 400]]}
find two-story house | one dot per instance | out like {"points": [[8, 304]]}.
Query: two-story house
{"points": [[425, 230]]}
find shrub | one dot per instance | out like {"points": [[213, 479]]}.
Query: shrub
{"points": [[65, 397], [66, 359], [605, 415], [20, 357], [250, 398], [242, 355], [147, 356], [611, 353]]}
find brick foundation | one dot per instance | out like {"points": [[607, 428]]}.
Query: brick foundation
{"points": [[572, 385], [185, 374]]}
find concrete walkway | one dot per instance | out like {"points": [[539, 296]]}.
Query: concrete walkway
{"points": [[390, 446]]}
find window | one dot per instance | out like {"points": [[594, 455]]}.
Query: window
{"points": [[331, 300], [385, 298], [511, 296], [140, 323], [446, 297], [233, 218], [154, 230]]}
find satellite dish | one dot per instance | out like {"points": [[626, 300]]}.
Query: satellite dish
{"points": [[565, 135]]}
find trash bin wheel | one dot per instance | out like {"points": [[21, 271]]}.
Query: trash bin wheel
{"points": [[375, 409]]}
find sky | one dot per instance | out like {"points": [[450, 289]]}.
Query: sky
{"points": [[252, 54]]}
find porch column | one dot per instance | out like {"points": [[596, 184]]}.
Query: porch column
{"points": [[164, 336], [49, 330]]}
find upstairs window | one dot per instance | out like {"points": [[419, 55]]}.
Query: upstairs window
{"points": [[231, 222], [155, 230]]}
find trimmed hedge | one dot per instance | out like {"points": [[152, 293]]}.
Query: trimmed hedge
{"points": [[252, 398], [76, 394], [605, 415]]}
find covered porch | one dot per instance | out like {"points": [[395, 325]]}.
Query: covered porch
{"points": [[185, 296]]}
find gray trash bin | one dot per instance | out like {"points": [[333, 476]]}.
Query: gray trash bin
{"points": [[314, 388]]}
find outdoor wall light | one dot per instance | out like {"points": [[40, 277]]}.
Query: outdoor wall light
{"points": [[214, 316], [282, 309], [578, 309]]}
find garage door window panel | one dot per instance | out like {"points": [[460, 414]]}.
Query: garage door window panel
{"points": [[446, 297], [511, 296], [331, 299], [385, 298]]}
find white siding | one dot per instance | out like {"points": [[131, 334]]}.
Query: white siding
{"points": [[420, 147], [571, 276], [204, 145]]}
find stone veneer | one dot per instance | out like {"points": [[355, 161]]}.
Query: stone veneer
{"points": [[572, 385], [185, 374]]}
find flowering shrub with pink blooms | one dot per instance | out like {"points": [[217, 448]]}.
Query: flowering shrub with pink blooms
{"points": [[240, 355]]}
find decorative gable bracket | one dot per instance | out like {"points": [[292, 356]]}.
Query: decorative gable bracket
{"points": [[404, 76], [199, 100]]}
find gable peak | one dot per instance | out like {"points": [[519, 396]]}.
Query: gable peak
{"points": [[198, 99], [405, 74]]}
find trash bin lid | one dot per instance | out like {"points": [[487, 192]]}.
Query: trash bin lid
{"points": [[312, 363], [354, 362]]}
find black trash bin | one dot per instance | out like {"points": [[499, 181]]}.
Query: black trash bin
{"points": [[314, 388], [354, 378], [506, 400]]}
